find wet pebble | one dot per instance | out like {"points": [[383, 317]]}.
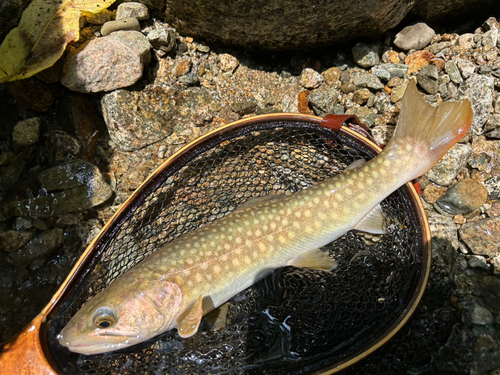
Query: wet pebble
{"points": [[14, 239], [26, 132], [366, 55], [481, 315], [310, 79], [463, 197], [132, 10], [428, 78], [416, 36]]}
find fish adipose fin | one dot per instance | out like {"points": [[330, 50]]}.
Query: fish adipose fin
{"points": [[428, 132], [373, 222], [316, 259], [189, 321]]}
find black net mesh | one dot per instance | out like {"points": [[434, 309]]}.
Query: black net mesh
{"points": [[295, 320]]}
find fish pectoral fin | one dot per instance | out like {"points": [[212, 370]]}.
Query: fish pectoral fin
{"points": [[189, 321], [373, 222], [316, 259], [216, 319]]}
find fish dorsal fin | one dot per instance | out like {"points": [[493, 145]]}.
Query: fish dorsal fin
{"points": [[255, 201], [189, 321], [355, 164], [316, 259], [373, 222]]}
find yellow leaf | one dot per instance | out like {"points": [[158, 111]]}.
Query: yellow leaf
{"points": [[46, 27]]}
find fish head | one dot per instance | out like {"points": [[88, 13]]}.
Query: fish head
{"points": [[124, 314]]}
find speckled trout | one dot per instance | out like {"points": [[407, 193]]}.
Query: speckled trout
{"points": [[192, 275]]}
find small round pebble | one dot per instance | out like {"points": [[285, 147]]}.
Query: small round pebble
{"points": [[26, 132], [124, 24], [464, 197]]}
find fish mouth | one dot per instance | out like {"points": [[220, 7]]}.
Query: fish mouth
{"points": [[99, 343]]}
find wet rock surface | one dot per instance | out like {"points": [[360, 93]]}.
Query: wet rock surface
{"points": [[57, 189]]}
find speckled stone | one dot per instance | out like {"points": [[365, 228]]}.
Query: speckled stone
{"points": [[310, 79], [94, 67], [451, 69], [482, 236], [428, 79], [479, 89], [493, 187], [432, 192], [463, 197], [163, 38], [466, 67], [417, 60], [366, 55], [444, 239], [136, 119], [132, 10], [369, 81], [323, 100], [445, 171], [26, 132]]}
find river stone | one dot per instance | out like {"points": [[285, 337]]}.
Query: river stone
{"points": [[323, 100], [136, 119], [451, 69], [466, 67], [93, 67], [40, 246], [416, 60], [382, 73], [368, 80], [26, 132], [479, 90], [366, 55], [129, 24], [414, 37], [310, 79], [493, 187], [444, 239], [445, 171], [132, 10], [12, 240], [163, 38], [428, 78], [463, 197], [482, 236]]}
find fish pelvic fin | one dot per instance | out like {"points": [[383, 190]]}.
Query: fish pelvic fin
{"points": [[314, 258], [373, 222], [189, 321], [429, 132]]}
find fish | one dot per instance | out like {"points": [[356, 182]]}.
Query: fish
{"points": [[192, 275]]}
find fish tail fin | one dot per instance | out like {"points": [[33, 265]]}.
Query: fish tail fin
{"points": [[429, 132]]}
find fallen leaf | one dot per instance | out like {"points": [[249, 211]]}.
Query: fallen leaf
{"points": [[46, 27]]}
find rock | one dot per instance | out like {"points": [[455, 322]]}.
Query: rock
{"points": [[94, 68], [163, 38], [130, 24], [493, 187], [244, 107], [280, 24], [348, 87], [398, 92], [132, 10], [31, 93], [432, 192], [428, 79], [445, 171], [479, 90], [190, 79], [365, 114], [477, 261], [451, 69], [310, 79], [466, 42], [26, 132], [228, 63], [12, 240], [414, 37], [366, 55], [444, 240], [136, 119], [368, 80], [331, 75], [482, 236], [466, 67], [489, 39], [60, 147], [323, 100], [10, 172], [464, 197], [417, 60], [481, 316], [41, 246], [395, 70], [381, 73], [361, 96]]}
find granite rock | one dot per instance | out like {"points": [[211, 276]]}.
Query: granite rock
{"points": [[132, 10], [463, 197], [428, 78], [416, 36], [445, 171], [479, 90]]}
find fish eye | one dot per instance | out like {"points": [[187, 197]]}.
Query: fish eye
{"points": [[104, 317]]}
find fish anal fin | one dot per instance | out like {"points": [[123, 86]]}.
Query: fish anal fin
{"points": [[216, 319], [315, 259], [373, 222], [189, 321]]}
